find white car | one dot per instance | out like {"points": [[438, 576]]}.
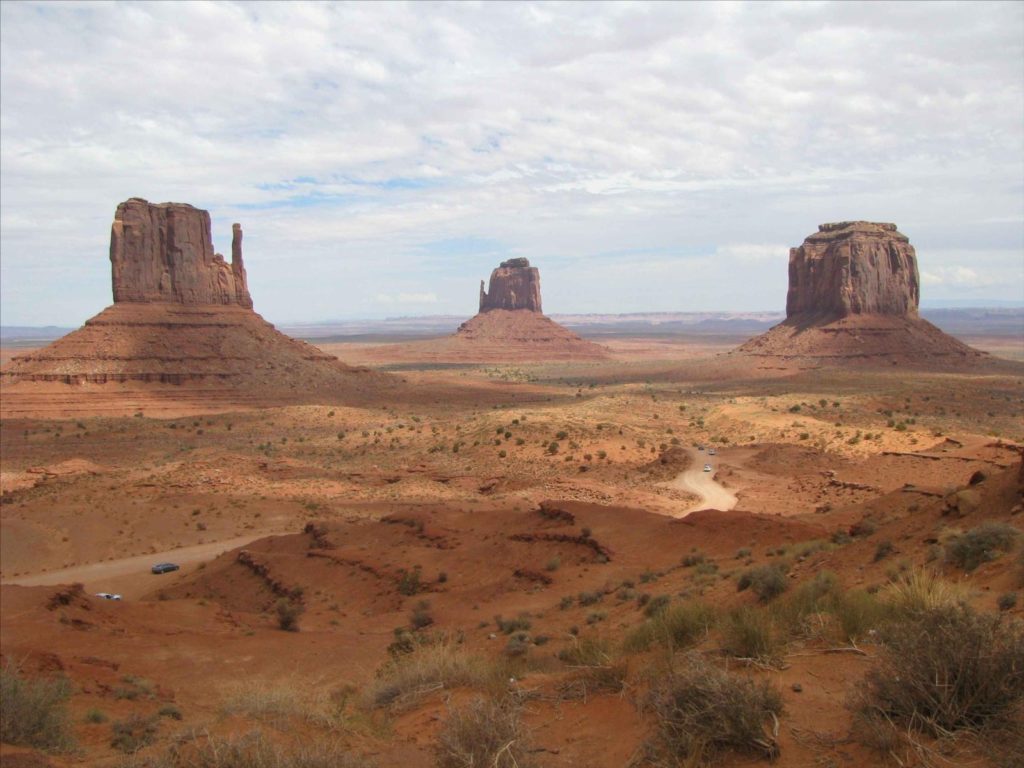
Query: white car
{"points": [[712, 451], [707, 467], [108, 596]]}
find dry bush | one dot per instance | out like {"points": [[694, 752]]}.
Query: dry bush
{"points": [[945, 670], [483, 734], [675, 627], [595, 668], [858, 612], [750, 633], [288, 612], [441, 665], [920, 591], [766, 581], [278, 704], [134, 732], [33, 712], [702, 711], [253, 750], [980, 545]]}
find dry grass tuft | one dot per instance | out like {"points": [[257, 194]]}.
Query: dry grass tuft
{"points": [[483, 733], [33, 712], [441, 665], [921, 591], [703, 711]]}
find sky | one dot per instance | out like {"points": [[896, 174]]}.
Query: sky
{"points": [[382, 158]]}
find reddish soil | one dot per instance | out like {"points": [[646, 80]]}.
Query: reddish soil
{"points": [[507, 489]]}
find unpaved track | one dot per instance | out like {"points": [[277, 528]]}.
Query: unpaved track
{"points": [[696, 480], [130, 576]]}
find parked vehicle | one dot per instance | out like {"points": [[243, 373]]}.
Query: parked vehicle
{"points": [[108, 596], [712, 451], [707, 467], [165, 567]]}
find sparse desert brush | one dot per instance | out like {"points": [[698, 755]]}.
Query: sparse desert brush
{"points": [[858, 612], [134, 732], [33, 712], [675, 627], [922, 590], [702, 712], [807, 602], [765, 581], [440, 665], [288, 612], [750, 633], [980, 545], [253, 750], [485, 732], [945, 670], [277, 704]]}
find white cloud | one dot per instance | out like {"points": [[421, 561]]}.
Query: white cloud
{"points": [[350, 139]]}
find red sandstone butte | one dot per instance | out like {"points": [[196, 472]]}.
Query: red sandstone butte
{"points": [[514, 285], [853, 268], [164, 253]]}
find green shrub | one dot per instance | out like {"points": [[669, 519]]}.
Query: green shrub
{"points": [[656, 605], [750, 633], [980, 545], [702, 711], [96, 716], [766, 581], [33, 713], [518, 624], [420, 616], [678, 626]]}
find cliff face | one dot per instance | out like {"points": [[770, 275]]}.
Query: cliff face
{"points": [[514, 285], [853, 268], [164, 253]]}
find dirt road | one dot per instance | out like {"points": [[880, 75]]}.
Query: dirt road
{"points": [[696, 480], [130, 576]]}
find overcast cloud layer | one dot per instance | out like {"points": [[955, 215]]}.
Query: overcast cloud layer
{"points": [[382, 158]]}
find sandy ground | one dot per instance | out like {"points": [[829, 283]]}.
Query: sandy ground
{"points": [[556, 493], [712, 495]]}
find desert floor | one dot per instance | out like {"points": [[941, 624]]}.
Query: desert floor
{"points": [[515, 513]]}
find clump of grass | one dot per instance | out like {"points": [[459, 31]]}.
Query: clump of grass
{"points": [[750, 633], [253, 750], [596, 668], [34, 712], [765, 581], [134, 732], [980, 545], [702, 711], [858, 612], [921, 590], [656, 605], [279, 704], [508, 626], [485, 732], [946, 669], [809, 600], [95, 716], [444, 664], [678, 626]]}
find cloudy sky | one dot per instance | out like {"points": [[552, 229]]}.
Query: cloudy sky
{"points": [[382, 158]]}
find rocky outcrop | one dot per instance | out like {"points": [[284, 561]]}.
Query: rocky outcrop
{"points": [[164, 253], [514, 285], [853, 296], [853, 268]]}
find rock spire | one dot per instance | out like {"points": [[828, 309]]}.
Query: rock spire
{"points": [[514, 285]]}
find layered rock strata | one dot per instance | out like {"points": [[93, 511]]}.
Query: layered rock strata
{"points": [[164, 252], [853, 298], [514, 285], [183, 316], [853, 268]]}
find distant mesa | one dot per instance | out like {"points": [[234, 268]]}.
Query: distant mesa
{"points": [[514, 285], [182, 315], [510, 325], [853, 297]]}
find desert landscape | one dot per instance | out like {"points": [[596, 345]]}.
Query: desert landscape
{"points": [[444, 548], [511, 385]]}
